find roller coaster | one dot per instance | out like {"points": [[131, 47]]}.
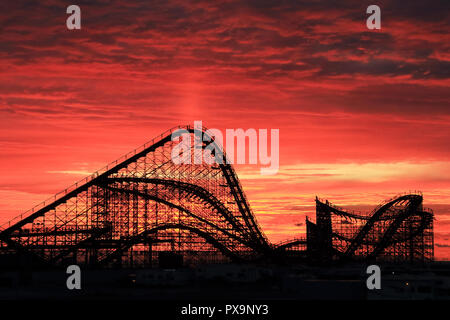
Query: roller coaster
{"points": [[144, 210], [398, 230]]}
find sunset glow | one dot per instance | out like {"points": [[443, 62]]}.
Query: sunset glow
{"points": [[363, 115]]}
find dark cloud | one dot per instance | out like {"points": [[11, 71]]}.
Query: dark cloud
{"points": [[285, 46], [427, 11]]}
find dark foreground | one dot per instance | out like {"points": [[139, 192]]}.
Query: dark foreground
{"points": [[237, 282]]}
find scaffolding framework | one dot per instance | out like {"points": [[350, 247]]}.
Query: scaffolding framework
{"points": [[144, 210], [398, 230]]}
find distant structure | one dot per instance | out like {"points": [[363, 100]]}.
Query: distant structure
{"points": [[143, 210], [399, 230]]}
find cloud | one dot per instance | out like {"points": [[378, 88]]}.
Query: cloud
{"points": [[364, 172], [361, 114]]}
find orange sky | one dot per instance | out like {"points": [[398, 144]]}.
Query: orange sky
{"points": [[362, 114]]}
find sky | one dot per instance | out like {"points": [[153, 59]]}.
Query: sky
{"points": [[363, 114]]}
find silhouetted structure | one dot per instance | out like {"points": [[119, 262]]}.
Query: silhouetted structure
{"points": [[398, 230], [144, 210]]}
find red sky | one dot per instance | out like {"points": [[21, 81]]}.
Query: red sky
{"points": [[362, 114]]}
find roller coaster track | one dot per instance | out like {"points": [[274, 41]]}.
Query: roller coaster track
{"points": [[392, 213], [144, 199], [195, 191], [376, 216], [196, 217], [141, 238], [246, 230]]}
